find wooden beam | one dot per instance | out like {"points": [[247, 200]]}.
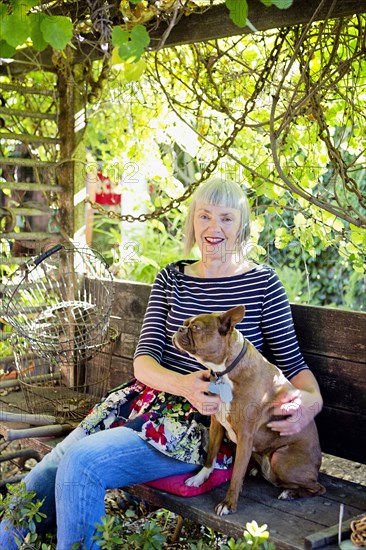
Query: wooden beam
{"points": [[216, 23], [199, 27]]}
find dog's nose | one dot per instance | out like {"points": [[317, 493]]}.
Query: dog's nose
{"points": [[183, 330]]}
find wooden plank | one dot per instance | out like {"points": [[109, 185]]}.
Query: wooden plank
{"points": [[27, 236], [342, 491], [32, 211], [342, 433], [19, 88], [338, 333], [260, 490], [29, 186], [126, 346], [289, 522], [130, 300], [329, 535], [27, 138], [32, 163], [286, 531], [330, 331], [121, 371], [27, 114], [343, 383], [216, 23]]}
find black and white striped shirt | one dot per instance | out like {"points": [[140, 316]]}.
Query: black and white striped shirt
{"points": [[176, 296]]}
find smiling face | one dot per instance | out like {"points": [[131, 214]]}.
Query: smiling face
{"points": [[216, 228]]}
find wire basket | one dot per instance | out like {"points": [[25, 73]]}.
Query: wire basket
{"points": [[60, 301], [68, 386]]}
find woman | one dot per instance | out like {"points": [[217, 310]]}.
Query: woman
{"points": [[160, 418]]}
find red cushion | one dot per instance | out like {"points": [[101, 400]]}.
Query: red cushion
{"points": [[176, 485]]}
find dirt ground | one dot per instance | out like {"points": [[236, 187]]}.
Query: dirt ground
{"points": [[344, 469]]}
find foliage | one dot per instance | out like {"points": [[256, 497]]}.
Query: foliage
{"points": [[21, 20], [23, 510], [282, 112], [255, 538], [139, 255], [130, 44], [121, 532], [32, 22], [316, 241], [238, 10], [113, 534]]}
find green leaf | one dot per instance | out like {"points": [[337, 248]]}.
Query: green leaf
{"points": [[282, 4], [119, 36], [3, 11], [300, 219], [22, 7], [133, 71], [130, 45], [139, 35], [130, 52], [6, 50], [57, 30], [238, 11], [15, 29], [36, 34], [358, 237]]}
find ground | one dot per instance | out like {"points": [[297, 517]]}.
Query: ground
{"points": [[344, 469]]}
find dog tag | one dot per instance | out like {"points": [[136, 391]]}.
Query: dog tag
{"points": [[223, 389]]}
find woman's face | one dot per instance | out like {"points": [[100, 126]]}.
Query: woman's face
{"points": [[216, 229]]}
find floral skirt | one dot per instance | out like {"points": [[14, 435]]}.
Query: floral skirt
{"points": [[167, 422]]}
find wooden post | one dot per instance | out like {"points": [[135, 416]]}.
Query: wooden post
{"points": [[65, 169]]}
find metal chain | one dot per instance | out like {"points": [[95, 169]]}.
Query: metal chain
{"points": [[222, 149]]}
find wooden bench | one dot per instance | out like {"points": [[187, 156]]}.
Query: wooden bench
{"points": [[333, 343]]}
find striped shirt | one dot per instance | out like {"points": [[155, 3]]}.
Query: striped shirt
{"points": [[176, 296]]}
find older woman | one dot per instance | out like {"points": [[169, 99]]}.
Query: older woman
{"points": [[160, 418]]}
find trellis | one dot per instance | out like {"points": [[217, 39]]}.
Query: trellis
{"points": [[59, 168]]}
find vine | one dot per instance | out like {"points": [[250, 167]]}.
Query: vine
{"points": [[125, 25]]}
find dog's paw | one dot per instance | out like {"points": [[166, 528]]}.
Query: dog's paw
{"points": [[198, 479], [287, 494], [254, 471], [224, 508], [194, 481]]}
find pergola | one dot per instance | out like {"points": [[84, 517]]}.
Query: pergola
{"points": [[173, 29], [206, 24]]}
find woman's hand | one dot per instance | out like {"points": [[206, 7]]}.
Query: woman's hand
{"points": [[299, 405], [195, 388]]}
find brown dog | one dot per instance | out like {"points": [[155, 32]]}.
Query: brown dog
{"points": [[248, 386]]}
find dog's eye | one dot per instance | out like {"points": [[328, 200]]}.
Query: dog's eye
{"points": [[196, 327]]}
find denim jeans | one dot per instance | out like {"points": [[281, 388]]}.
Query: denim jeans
{"points": [[73, 479]]}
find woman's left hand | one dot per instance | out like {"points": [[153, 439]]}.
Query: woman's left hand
{"points": [[300, 404], [299, 407]]}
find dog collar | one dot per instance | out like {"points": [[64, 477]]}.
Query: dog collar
{"points": [[236, 360]]}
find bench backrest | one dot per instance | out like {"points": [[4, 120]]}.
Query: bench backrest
{"points": [[333, 343]]}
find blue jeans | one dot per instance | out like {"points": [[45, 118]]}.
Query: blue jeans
{"points": [[73, 479]]}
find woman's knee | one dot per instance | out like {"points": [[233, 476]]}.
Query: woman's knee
{"points": [[76, 477]]}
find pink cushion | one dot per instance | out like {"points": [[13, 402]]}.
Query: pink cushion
{"points": [[176, 485]]}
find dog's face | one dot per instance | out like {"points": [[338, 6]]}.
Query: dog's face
{"points": [[206, 337]]}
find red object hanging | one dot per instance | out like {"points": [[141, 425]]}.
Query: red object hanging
{"points": [[105, 194]]}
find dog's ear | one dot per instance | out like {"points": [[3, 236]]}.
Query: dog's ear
{"points": [[230, 318]]}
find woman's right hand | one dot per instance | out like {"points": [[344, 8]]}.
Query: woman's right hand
{"points": [[195, 389], [193, 386]]}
